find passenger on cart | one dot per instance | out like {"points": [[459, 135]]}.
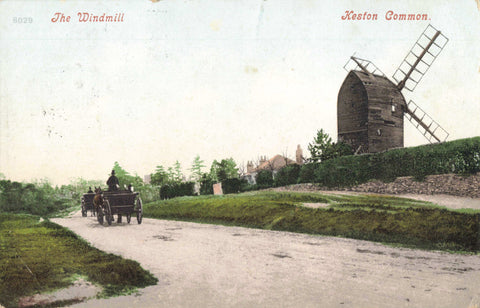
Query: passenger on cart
{"points": [[112, 182]]}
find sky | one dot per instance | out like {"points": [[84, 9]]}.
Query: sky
{"points": [[217, 79]]}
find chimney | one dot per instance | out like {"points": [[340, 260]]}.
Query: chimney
{"points": [[250, 167], [299, 155], [263, 159]]}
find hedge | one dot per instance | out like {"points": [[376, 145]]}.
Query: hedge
{"points": [[287, 175], [234, 185], [206, 187], [459, 156], [229, 186], [264, 179], [168, 191]]}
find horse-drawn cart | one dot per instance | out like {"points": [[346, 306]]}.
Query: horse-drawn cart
{"points": [[87, 204], [120, 202]]}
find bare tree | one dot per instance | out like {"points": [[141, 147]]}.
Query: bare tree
{"points": [[285, 156], [271, 164], [241, 169], [256, 162]]}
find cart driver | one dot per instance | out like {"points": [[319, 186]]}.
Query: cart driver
{"points": [[112, 182]]}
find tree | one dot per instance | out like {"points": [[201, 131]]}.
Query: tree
{"points": [[319, 146], [226, 169], [78, 187], [339, 149], [177, 172], [241, 169], [322, 148], [124, 178], [160, 177], [206, 184], [38, 198], [119, 171], [196, 169], [214, 171]]}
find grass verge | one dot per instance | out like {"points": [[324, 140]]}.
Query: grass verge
{"points": [[367, 217], [37, 257]]}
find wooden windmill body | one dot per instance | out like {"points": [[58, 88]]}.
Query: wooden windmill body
{"points": [[371, 108]]}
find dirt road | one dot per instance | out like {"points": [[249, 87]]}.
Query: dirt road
{"points": [[200, 265], [452, 202]]}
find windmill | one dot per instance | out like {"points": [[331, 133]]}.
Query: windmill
{"points": [[371, 107]]}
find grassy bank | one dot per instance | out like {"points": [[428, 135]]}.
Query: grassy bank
{"points": [[374, 218], [36, 257]]}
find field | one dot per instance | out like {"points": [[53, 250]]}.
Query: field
{"points": [[37, 257], [383, 219]]}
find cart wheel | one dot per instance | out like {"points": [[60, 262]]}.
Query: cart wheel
{"points": [[100, 216], [139, 211], [108, 212], [119, 219], [129, 217]]}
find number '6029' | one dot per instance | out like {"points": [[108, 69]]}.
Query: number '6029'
{"points": [[22, 20]]}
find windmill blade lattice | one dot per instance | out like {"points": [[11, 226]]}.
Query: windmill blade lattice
{"points": [[357, 64], [419, 59], [429, 128]]}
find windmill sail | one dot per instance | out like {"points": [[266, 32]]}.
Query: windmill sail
{"points": [[425, 124], [357, 64], [419, 59]]}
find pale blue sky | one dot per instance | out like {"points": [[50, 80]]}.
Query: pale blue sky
{"points": [[214, 78]]}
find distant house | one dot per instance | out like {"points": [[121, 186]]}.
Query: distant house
{"points": [[147, 179], [273, 164]]}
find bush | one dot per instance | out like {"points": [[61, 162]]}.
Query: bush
{"points": [[231, 186], [37, 199], [264, 179], [148, 193], [248, 187], [206, 187], [169, 191], [307, 173], [287, 175]]}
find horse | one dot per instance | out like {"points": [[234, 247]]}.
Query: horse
{"points": [[98, 199]]}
